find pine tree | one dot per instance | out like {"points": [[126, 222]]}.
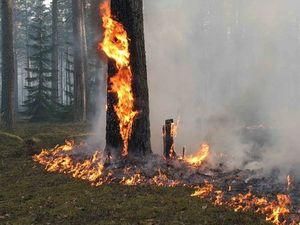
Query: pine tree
{"points": [[22, 13], [39, 105], [21, 18], [65, 39], [54, 53]]}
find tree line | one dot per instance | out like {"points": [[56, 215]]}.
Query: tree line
{"points": [[51, 70]]}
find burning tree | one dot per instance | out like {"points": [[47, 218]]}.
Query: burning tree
{"points": [[128, 125]]}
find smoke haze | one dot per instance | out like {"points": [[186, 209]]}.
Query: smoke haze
{"points": [[224, 65]]}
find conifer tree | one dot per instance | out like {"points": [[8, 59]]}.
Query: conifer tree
{"points": [[39, 105]]}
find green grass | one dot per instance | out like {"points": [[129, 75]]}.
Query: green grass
{"points": [[29, 195]]}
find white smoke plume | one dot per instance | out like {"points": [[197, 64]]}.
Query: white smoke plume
{"points": [[222, 66], [229, 69]]}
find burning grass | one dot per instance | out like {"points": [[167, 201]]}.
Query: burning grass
{"points": [[28, 195], [274, 210], [157, 171]]}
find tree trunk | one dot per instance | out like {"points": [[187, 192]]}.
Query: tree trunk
{"points": [[54, 84], [79, 62], [8, 67], [16, 92], [168, 140], [61, 78], [130, 14], [85, 55], [16, 87], [100, 83], [27, 46], [68, 79]]}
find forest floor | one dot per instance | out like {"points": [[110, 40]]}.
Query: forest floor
{"points": [[29, 195]]}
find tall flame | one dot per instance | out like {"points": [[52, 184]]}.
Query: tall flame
{"points": [[115, 44]]}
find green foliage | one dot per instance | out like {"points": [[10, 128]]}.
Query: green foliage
{"points": [[39, 105], [22, 13], [65, 42]]}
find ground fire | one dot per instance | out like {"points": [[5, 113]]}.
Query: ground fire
{"points": [[275, 210], [222, 188], [241, 190]]}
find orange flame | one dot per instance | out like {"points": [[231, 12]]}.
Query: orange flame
{"points": [[132, 181], [205, 191], [174, 128], [162, 180], [200, 156], [58, 160], [115, 44], [279, 209], [275, 211]]}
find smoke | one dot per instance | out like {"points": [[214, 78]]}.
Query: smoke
{"points": [[229, 69]]}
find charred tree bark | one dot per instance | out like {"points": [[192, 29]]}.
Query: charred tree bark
{"points": [[169, 151], [130, 14], [80, 110], [8, 65], [54, 51]]}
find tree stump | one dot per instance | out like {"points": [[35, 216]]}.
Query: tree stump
{"points": [[168, 140]]}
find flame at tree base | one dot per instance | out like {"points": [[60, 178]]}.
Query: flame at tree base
{"points": [[67, 159]]}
